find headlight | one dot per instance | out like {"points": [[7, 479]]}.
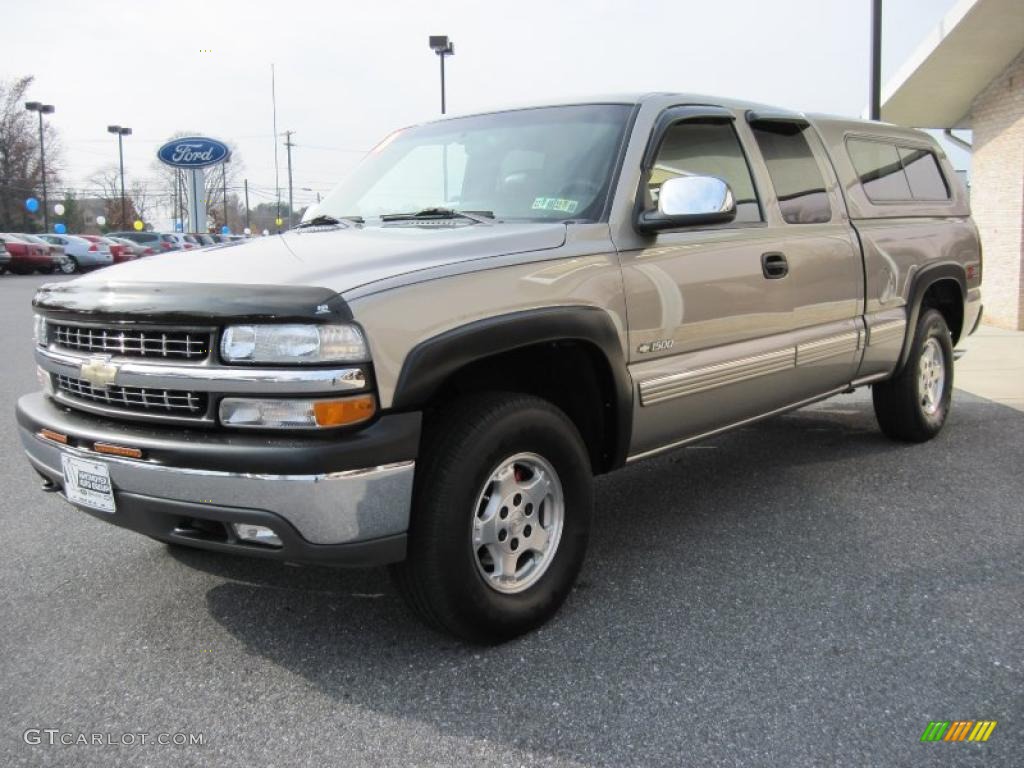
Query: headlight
{"points": [[39, 330], [293, 344], [287, 413]]}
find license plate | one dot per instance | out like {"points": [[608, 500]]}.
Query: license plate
{"points": [[88, 483]]}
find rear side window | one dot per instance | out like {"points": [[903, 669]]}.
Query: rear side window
{"points": [[923, 174], [896, 174], [881, 173], [795, 175], [706, 149]]}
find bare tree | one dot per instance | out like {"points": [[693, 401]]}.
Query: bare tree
{"points": [[106, 183], [20, 171]]}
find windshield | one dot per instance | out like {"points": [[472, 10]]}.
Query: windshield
{"points": [[545, 164]]}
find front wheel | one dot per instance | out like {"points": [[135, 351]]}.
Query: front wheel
{"points": [[68, 266], [913, 405], [501, 517]]}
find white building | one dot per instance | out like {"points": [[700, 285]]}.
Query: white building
{"points": [[969, 73]]}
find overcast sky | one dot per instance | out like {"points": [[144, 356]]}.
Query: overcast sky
{"points": [[350, 72]]}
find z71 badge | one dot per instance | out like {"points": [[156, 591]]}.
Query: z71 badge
{"points": [[655, 346]]}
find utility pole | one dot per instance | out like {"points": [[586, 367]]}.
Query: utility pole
{"points": [[246, 181], [876, 60], [291, 207]]}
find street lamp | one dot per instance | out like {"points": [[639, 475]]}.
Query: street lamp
{"points": [[442, 46], [42, 109], [121, 132]]}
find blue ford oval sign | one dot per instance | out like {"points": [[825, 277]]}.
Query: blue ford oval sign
{"points": [[193, 152]]}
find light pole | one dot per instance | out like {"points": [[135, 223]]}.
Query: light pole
{"points": [[121, 133], [442, 46], [42, 109], [875, 109]]}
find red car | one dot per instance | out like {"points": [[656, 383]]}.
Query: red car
{"points": [[119, 252], [25, 256]]}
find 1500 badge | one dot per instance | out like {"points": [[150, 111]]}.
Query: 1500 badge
{"points": [[655, 346]]}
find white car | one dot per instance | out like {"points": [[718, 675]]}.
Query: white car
{"points": [[83, 253]]}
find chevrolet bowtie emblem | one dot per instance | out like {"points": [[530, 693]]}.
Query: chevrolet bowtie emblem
{"points": [[99, 372]]}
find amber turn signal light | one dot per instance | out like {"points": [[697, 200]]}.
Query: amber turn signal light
{"points": [[338, 413], [57, 437], [117, 450]]}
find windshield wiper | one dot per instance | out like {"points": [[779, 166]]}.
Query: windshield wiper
{"points": [[330, 221], [438, 212]]}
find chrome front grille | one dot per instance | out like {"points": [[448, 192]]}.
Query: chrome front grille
{"points": [[168, 402], [170, 344]]}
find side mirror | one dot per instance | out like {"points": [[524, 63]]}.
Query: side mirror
{"points": [[685, 201]]}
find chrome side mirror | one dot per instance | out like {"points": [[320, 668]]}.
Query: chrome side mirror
{"points": [[685, 201]]}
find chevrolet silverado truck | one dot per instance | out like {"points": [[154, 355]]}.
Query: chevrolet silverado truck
{"points": [[431, 368]]}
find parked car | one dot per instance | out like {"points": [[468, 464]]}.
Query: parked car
{"points": [[151, 240], [179, 241], [26, 256], [59, 261], [118, 252], [83, 253], [137, 249], [397, 381], [203, 239], [5, 259]]}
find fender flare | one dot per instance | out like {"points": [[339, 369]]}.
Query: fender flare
{"points": [[920, 284], [431, 362]]}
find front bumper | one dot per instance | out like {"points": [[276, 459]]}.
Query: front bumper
{"points": [[342, 501]]}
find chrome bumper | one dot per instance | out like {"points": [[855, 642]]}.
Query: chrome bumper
{"points": [[331, 508]]}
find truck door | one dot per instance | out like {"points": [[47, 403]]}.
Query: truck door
{"points": [[733, 321]]}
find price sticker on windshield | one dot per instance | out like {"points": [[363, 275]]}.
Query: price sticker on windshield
{"points": [[555, 204]]}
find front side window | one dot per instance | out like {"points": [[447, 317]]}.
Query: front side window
{"points": [[704, 148], [795, 175], [550, 163]]}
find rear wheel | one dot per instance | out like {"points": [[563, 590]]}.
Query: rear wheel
{"points": [[69, 266], [913, 405], [501, 517]]}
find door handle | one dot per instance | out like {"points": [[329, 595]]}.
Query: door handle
{"points": [[774, 265]]}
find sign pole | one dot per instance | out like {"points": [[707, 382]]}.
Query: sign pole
{"points": [[196, 199]]}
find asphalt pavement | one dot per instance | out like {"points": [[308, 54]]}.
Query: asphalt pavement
{"points": [[801, 592]]}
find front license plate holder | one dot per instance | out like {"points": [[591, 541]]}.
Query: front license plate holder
{"points": [[88, 483]]}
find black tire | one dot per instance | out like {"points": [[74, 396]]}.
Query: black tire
{"points": [[45, 270], [902, 410], [463, 445], [69, 267]]}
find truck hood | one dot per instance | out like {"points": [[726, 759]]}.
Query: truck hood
{"points": [[339, 259]]}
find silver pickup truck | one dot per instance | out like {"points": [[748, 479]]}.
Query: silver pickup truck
{"points": [[491, 310]]}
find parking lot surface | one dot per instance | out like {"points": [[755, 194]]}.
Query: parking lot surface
{"points": [[801, 592]]}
